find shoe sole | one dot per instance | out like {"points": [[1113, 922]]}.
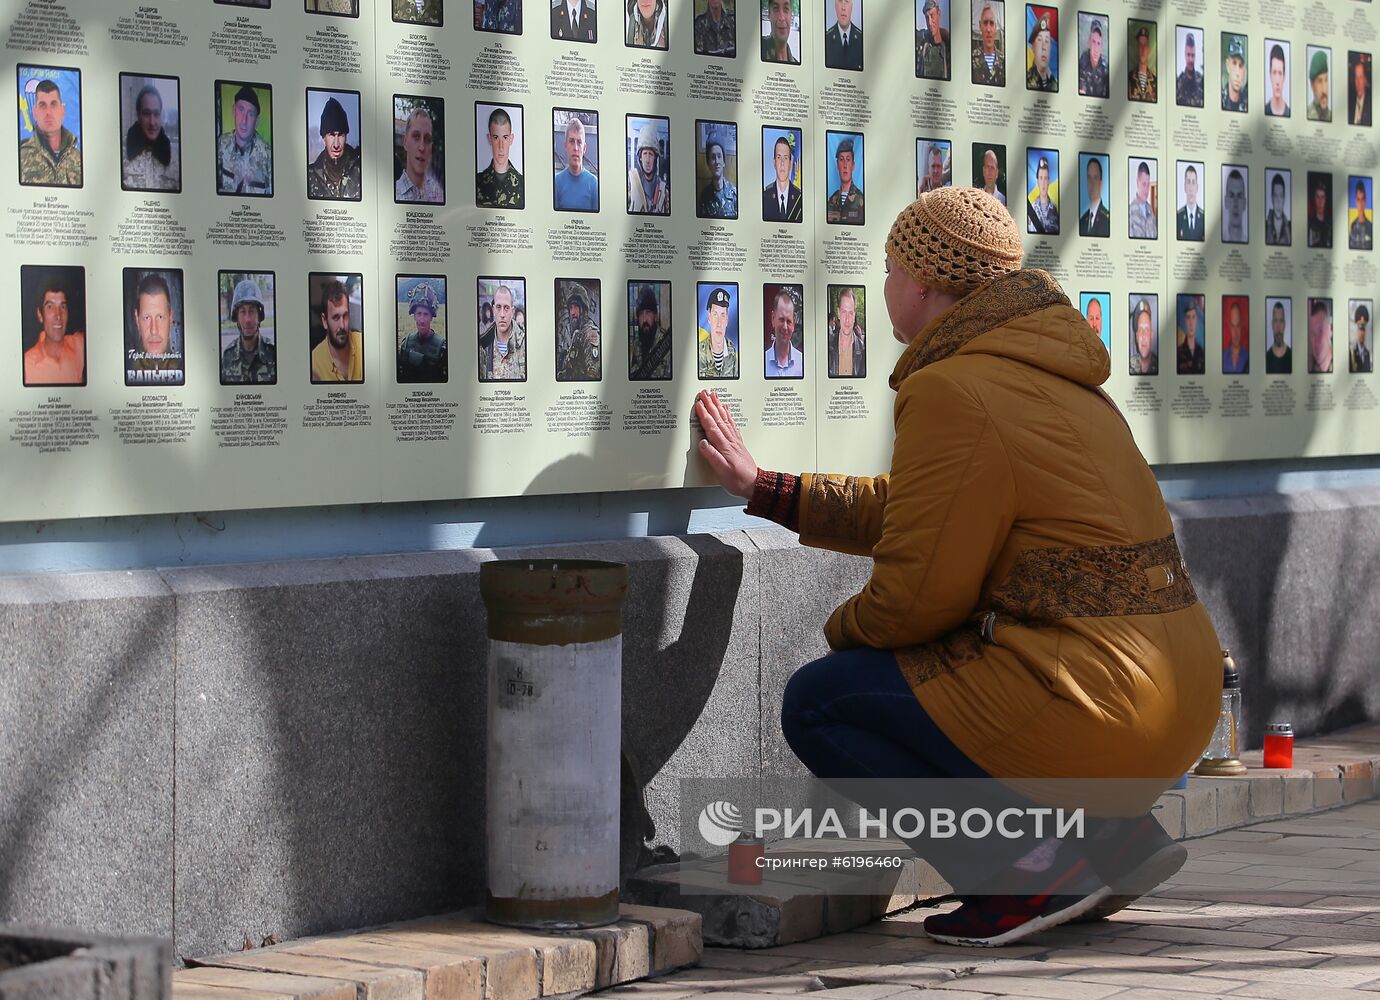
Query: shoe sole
{"points": [[1152, 872], [1033, 926]]}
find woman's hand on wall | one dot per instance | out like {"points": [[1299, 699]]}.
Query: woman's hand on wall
{"points": [[722, 446]]}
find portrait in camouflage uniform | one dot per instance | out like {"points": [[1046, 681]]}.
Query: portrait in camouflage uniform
{"points": [[1041, 48], [50, 134], [1142, 76], [421, 328], [428, 12], [244, 145], [503, 16], [716, 28], [716, 170], [579, 322], [498, 156], [718, 353], [502, 339], [649, 331], [933, 44], [151, 152], [248, 328], [1235, 73], [334, 164], [1190, 55], [1093, 35], [988, 38], [845, 205]]}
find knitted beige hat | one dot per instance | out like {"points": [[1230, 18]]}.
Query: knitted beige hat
{"points": [[955, 237]]}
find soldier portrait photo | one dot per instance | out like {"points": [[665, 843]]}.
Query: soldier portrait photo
{"points": [[1144, 339], [1279, 213], [933, 45], [716, 170], [419, 151], [50, 134], [340, 8], [1188, 66], [501, 305], [428, 12], [646, 23], [1319, 204], [1143, 208], [783, 327], [574, 21], [1358, 81], [1279, 336], [1277, 63], [1094, 180], [781, 31], [783, 174], [989, 169], [1235, 73], [502, 16], [1142, 77], [717, 337], [336, 339], [649, 331], [498, 159], [334, 141], [1360, 346], [1236, 203], [1319, 83], [845, 205], [52, 324], [154, 327], [843, 34], [1041, 48], [934, 164], [847, 341], [1236, 335], [1042, 192], [244, 139], [151, 116], [1360, 230], [1189, 219], [247, 320], [988, 43], [575, 152], [420, 314], [1093, 78], [579, 322], [1096, 308], [648, 141], [1190, 336], [716, 28]]}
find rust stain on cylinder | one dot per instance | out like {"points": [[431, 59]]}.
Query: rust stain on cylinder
{"points": [[553, 602], [580, 911]]}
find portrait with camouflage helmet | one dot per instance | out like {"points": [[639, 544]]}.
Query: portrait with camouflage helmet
{"points": [[649, 331], [248, 321], [421, 326], [428, 12], [50, 132], [579, 320], [244, 149], [335, 171], [649, 165]]}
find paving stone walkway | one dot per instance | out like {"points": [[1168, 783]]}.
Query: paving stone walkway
{"points": [[1288, 909]]}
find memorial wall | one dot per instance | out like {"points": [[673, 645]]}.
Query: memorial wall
{"points": [[295, 252]]}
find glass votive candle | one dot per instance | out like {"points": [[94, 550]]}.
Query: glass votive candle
{"points": [[1279, 745]]}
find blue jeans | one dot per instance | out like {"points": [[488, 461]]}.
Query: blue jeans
{"points": [[851, 715]]}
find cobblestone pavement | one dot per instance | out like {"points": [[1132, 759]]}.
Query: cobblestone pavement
{"points": [[1287, 909]]}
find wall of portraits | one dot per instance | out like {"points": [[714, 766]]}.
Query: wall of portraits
{"points": [[269, 253]]}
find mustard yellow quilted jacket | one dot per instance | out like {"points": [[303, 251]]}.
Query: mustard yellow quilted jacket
{"points": [[1025, 567]]}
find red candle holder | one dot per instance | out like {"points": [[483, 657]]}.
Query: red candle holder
{"points": [[1279, 745]]}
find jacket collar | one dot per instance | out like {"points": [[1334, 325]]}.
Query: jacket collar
{"points": [[1010, 297], [136, 142]]}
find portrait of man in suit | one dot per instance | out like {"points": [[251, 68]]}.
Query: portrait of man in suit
{"points": [[1094, 219], [1188, 223], [1361, 355], [1319, 209], [843, 38], [782, 199], [573, 21], [1358, 88]]}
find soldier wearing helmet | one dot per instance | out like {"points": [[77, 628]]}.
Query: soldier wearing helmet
{"points": [[577, 336], [422, 353], [251, 359], [649, 193]]}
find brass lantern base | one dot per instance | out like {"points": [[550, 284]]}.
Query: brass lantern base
{"points": [[1227, 767]]}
